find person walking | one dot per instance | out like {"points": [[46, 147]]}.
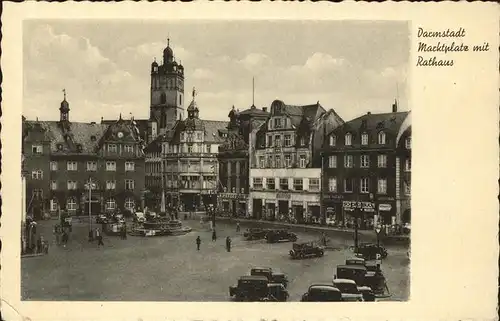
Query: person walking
{"points": [[214, 236], [99, 237], [65, 238], [198, 243], [91, 236], [237, 227], [228, 244], [125, 231]]}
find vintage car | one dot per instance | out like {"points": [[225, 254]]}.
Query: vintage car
{"points": [[367, 292], [275, 236], [276, 292], [351, 272], [370, 251], [302, 250], [349, 290], [250, 288], [355, 261], [139, 217], [372, 266], [255, 234], [272, 277], [322, 293], [377, 282]]}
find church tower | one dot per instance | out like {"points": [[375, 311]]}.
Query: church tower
{"points": [[167, 91]]}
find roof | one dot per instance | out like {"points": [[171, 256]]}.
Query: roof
{"points": [[299, 112], [324, 287], [254, 277], [351, 267], [77, 134], [214, 130], [345, 281], [254, 111]]}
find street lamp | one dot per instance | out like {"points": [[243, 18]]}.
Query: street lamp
{"points": [[90, 185], [378, 229]]}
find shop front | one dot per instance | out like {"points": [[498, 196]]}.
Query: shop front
{"points": [[232, 204], [363, 211], [333, 208]]}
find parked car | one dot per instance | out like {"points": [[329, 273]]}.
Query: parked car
{"points": [[367, 293], [377, 282], [349, 290], [276, 292], [275, 236], [322, 293], [351, 272], [302, 250], [255, 233], [139, 217], [250, 288], [272, 277], [370, 251], [355, 261]]}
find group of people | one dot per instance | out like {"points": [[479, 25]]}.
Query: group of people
{"points": [[96, 235], [214, 239]]}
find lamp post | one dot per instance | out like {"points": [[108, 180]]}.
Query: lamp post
{"points": [[90, 185], [378, 229]]}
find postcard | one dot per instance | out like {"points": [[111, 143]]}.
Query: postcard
{"points": [[222, 161]]}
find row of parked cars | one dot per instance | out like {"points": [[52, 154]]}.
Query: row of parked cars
{"points": [[270, 235]]}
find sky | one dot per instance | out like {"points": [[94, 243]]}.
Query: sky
{"points": [[350, 66]]}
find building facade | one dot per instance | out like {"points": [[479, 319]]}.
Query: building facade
{"points": [[61, 157], [189, 161], [284, 184], [359, 170], [403, 173], [233, 157]]}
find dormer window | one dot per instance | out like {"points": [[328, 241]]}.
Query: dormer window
{"points": [[381, 138], [93, 138], [79, 148], [333, 140], [348, 139], [302, 141], [408, 142], [277, 123], [112, 148], [364, 139], [59, 146]]}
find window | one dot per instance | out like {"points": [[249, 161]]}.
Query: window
{"points": [[297, 184], [365, 161], [129, 149], [381, 138], [129, 184], [269, 141], [270, 161], [288, 140], [364, 139], [382, 186], [53, 185], [271, 183], [257, 183], [53, 166], [408, 165], [364, 185], [110, 204], [284, 184], [332, 161], [37, 149], [91, 166], [382, 161], [111, 166], [72, 185], [314, 184], [71, 204], [408, 142], [112, 148], [302, 161], [209, 148], [198, 136], [38, 194], [348, 185], [72, 166], [288, 161], [54, 206], [262, 162], [348, 161], [277, 140], [110, 185], [302, 141], [190, 148], [37, 174], [332, 184], [182, 137], [277, 122], [407, 188], [277, 160], [348, 139], [129, 203], [333, 140], [129, 166]]}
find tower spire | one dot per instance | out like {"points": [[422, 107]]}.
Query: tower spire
{"points": [[168, 41], [64, 92], [194, 93]]}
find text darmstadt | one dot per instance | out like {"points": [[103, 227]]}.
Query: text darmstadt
{"points": [[460, 33]]}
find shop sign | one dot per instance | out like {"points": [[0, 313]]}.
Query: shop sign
{"points": [[353, 205], [330, 209], [334, 196], [232, 196], [385, 198], [384, 207], [297, 203], [283, 195], [312, 204], [208, 192]]}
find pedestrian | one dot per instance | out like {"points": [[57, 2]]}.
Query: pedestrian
{"points": [[39, 245], [214, 236], [198, 242], [228, 244], [237, 227], [99, 237], [91, 236], [125, 231], [65, 238]]}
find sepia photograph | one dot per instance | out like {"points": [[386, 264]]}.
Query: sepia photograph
{"points": [[176, 162]]}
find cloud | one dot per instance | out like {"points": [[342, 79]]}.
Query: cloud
{"points": [[254, 60], [203, 74]]}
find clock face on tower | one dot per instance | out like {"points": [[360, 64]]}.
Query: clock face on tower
{"points": [[120, 135]]}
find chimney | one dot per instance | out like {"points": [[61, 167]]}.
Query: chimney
{"points": [[369, 113], [264, 109], [395, 106]]}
